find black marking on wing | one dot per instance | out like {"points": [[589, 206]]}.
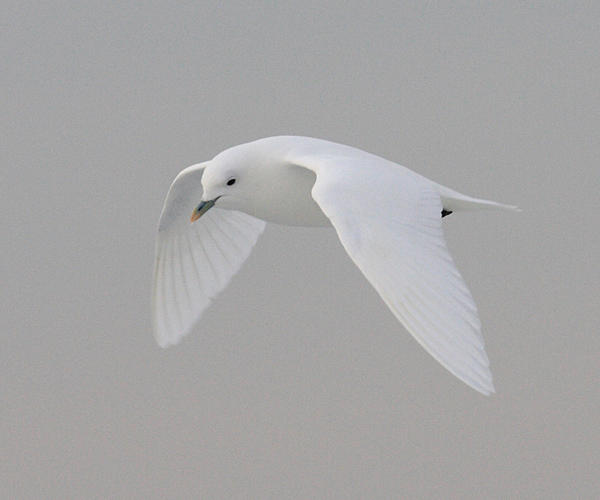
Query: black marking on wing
{"points": [[445, 212]]}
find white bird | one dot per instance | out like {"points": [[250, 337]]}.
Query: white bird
{"points": [[388, 218]]}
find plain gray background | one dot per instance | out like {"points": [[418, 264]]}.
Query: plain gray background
{"points": [[298, 383]]}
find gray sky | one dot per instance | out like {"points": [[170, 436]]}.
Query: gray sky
{"points": [[299, 383]]}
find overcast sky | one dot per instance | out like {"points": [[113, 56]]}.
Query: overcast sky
{"points": [[298, 383]]}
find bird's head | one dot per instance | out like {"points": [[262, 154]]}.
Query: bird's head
{"points": [[225, 184], [257, 181]]}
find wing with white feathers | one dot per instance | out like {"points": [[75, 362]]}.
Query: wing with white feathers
{"points": [[395, 237], [195, 261]]}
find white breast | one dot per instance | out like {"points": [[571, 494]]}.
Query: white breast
{"points": [[286, 198]]}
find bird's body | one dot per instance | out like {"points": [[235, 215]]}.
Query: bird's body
{"points": [[388, 219]]}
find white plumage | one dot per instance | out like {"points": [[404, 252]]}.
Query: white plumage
{"points": [[387, 217]]}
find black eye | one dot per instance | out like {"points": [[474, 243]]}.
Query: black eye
{"points": [[231, 182]]}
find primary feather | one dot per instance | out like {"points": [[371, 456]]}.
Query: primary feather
{"points": [[194, 262]]}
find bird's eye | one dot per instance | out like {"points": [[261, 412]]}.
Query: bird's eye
{"points": [[231, 182]]}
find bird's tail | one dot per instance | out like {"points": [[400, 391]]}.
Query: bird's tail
{"points": [[455, 201]]}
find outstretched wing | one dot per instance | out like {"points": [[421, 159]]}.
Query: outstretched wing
{"points": [[389, 221], [195, 261]]}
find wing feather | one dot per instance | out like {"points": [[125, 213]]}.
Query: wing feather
{"points": [[396, 239], [194, 262]]}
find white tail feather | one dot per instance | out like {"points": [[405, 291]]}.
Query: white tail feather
{"points": [[454, 201]]}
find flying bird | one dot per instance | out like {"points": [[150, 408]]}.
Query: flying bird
{"points": [[387, 217]]}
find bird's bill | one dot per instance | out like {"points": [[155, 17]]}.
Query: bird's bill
{"points": [[201, 209]]}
